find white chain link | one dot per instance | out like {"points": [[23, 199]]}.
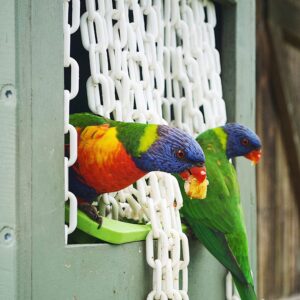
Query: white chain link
{"points": [[231, 291], [71, 63], [150, 61]]}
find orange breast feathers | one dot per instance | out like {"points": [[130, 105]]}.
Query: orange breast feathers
{"points": [[103, 161]]}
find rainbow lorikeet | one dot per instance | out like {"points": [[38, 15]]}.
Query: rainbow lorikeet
{"points": [[112, 155], [218, 221]]}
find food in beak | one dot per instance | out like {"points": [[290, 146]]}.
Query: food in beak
{"points": [[254, 156], [198, 172], [196, 183]]}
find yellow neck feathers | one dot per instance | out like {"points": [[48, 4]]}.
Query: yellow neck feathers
{"points": [[149, 137], [222, 136]]}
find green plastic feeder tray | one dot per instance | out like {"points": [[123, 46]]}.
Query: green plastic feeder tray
{"points": [[110, 231]]}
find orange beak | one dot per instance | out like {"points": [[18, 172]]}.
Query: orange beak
{"points": [[254, 156], [198, 172]]}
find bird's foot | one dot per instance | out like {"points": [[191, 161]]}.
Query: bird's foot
{"points": [[91, 211]]}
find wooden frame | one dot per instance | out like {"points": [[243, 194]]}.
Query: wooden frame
{"points": [[278, 115], [34, 262]]}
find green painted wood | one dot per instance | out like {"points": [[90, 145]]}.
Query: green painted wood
{"points": [[106, 272], [8, 152], [8, 246], [47, 150], [37, 265], [24, 158], [206, 274]]}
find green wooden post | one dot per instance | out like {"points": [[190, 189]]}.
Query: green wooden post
{"points": [[34, 262], [8, 153], [15, 150]]}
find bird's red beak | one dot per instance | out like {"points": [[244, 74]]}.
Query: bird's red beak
{"points": [[254, 156], [198, 172]]}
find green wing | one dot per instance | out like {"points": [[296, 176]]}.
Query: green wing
{"points": [[218, 220], [83, 120], [217, 244]]}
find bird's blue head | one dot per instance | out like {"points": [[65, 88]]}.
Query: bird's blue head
{"points": [[242, 141], [174, 151]]}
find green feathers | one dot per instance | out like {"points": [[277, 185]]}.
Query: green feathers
{"points": [[83, 120], [144, 134], [218, 221]]}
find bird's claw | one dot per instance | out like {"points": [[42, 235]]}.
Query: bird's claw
{"points": [[91, 212]]}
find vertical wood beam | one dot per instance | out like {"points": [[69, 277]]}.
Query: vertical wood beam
{"points": [[8, 152]]}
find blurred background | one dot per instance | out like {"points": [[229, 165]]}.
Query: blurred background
{"points": [[278, 124]]}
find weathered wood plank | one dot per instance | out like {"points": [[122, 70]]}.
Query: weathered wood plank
{"points": [[292, 61], [284, 103], [296, 297], [285, 13], [266, 178], [278, 217]]}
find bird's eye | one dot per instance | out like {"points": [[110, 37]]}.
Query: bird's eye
{"points": [[245, 142], [180, 154]]}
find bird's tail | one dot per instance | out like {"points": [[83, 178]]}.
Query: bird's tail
{"points": [[246, 291]]}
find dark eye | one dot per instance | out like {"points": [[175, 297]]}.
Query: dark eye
{"points": [[245, 142], [180, 154]]}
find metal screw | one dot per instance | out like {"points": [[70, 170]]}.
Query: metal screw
{"points": [[7, 237], [8, 93]]}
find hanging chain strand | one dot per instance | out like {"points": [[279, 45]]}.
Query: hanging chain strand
{"points": [[71, 63], [231, 291]]}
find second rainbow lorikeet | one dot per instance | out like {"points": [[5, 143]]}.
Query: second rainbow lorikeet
{"points": [[218, 221], [112, 155]]}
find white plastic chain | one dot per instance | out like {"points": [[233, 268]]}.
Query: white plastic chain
{"points": [[155, 61], [70, 62], [231, 291]]}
